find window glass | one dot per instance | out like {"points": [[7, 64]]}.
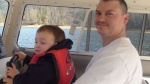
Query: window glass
{"points": [[134, 27], [146, 41], [64, 17], [3, 13], [82, 45], [95, 38]]}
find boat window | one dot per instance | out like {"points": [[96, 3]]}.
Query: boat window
{"points": [[95, 38], [65, 17], [3, 13], [146, 41], [134, 27]]}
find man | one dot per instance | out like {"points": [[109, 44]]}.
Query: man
{"points": [[117, 62]]}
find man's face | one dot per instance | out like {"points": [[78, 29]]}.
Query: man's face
{"points": [[109, 19]]}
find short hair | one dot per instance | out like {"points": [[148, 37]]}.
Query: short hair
{"points": [[55, 30], [122, 3]]}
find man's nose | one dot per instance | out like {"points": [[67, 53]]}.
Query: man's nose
{"points": [[101, 18]]}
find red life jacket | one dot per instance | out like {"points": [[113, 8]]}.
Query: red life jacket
{"points": [[65, 70], [65, 65]]}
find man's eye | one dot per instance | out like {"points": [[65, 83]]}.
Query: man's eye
{"points": [[98, 13], [109, 14]]}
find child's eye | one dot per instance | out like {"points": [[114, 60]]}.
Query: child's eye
{"points": [[35, 42], [43, 43]]}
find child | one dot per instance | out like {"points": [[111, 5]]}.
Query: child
{"points": [[42, 67]]}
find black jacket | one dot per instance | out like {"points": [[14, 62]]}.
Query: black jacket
{"points": [[43, 72]]}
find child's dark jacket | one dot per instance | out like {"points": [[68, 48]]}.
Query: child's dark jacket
{"points": [[43, 71]]}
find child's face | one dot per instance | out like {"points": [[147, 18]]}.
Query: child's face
{"points": [[43, 41]]}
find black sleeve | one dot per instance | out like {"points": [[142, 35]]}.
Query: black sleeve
{"points": [[43, 72], [27, 59]]}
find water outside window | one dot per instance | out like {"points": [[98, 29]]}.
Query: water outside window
{"points": [[35, 16], [3, 13]]}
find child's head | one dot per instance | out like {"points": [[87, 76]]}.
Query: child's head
{"points": [[46, 37]]}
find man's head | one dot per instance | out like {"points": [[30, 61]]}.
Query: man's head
{"points": [[111, 18], [47, 36]]}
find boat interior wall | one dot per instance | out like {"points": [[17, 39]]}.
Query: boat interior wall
{"points": [[138, 3], [146, 68], [13, 22], [67, 3], [133, 5], [80, 66]]}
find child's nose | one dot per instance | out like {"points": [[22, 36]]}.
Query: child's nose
{"points": [[37, 45]]}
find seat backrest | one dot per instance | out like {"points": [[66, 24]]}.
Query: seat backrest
{"points": [[65, 69]]}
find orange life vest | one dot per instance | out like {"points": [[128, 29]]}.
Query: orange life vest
{"points": [[65, 70], [64, 65]]}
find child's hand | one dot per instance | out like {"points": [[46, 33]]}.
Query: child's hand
{"points": [[8, 81], [12, 71], [21, 55]]}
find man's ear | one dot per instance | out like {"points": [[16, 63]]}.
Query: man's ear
{"points": [[55, 43], [126, 18]]}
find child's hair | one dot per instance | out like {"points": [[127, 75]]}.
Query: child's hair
{"points": [[55, 30]]}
